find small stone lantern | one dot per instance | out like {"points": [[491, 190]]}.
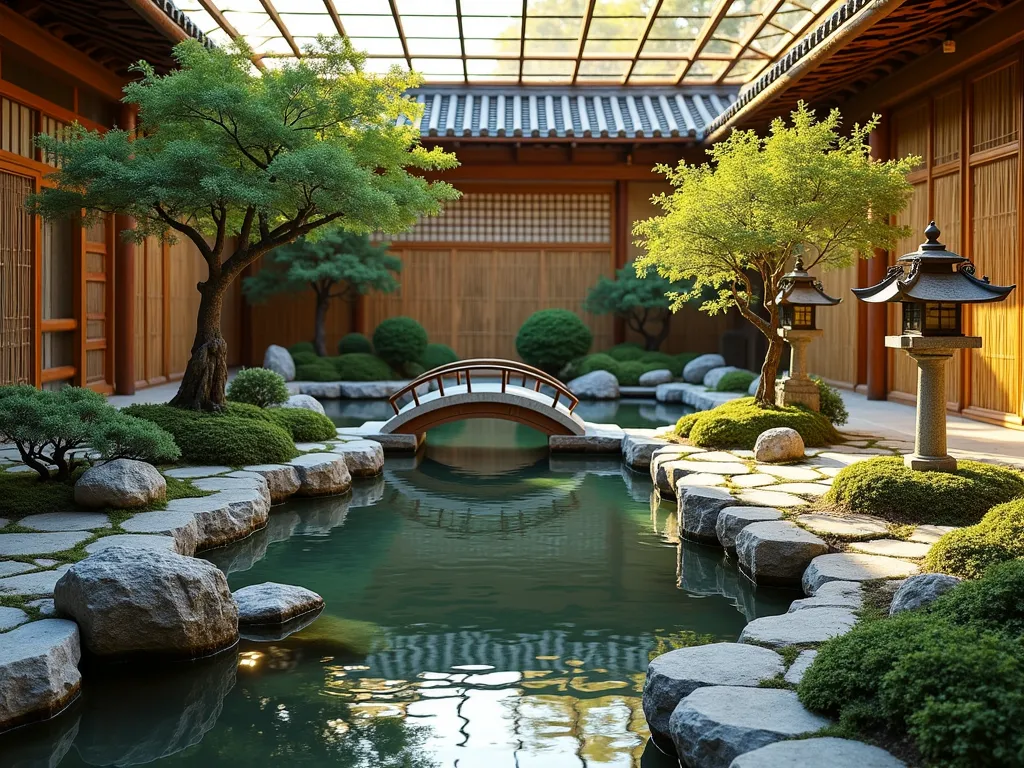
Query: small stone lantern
{"points": [[798, 300], [932, 294]]}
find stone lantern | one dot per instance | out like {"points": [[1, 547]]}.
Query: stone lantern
{"points": [[932, 293], [798, 300]]}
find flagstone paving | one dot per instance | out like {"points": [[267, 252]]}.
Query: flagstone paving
{"points": [[892, 548]]}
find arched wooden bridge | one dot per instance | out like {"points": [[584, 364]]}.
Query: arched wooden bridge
{"points": [[485, 389]]}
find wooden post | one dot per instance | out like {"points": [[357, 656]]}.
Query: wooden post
{"points": [[874, 336], [124, 291], [621, 243]]}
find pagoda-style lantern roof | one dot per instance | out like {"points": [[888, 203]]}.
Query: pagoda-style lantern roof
{"points": [[935, 275], [798, 287]]}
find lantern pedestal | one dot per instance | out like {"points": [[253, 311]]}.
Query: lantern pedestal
{"points": [[797, 388], [931, 354]]}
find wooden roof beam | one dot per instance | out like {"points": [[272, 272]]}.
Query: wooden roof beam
{"points": [[745, 43], [652, 16], [401, 33], [582, 41], [462, 40], [522, 44], [333, 11], [279, 22], [227, 26], [717, 14]]}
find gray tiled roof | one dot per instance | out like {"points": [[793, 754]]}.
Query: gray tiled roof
{"points": [[570, 112], [188, 26]]}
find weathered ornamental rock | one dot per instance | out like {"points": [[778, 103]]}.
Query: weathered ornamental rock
{"points": [[675, 675], [921, 590], [698, 511], [698, 368], [304, 402], [38, 670], [120, 484], [777, 552], [282, 479], [364, 458], [596, 385], [637, 450], [713, 726], [732, 520], [138, 602], [654, 378], [272, 603], [322, 474], [279, 360], [779, 444], [818, 753]]}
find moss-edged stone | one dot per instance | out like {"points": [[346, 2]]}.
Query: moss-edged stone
{"points": [[738, 423]]}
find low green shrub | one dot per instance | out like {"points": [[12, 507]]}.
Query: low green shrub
{"points": [[831, 402], [629, 372], [625, 351], [399, 341], [735, 381], [354, 343], [992, 603], [359, 366], [551, 338], [240, 436], [303, 425], [414, 369], [321, 369], [304, 358], [738, 423], [302, 347], [597, 362], [968, 552], [885, 487], [127, 437], [261, 387], [437, 355]]}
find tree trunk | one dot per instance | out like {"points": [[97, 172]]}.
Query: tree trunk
{"points": [[653, 341], [770, 371], [320, 323], [206, 375]]}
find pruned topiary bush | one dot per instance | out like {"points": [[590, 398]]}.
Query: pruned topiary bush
{"points": [[359, 366], [258, 386], [887, 488], [241, 435], [437, 355], [626, 351], [968, 552], [551, 338], [303, 425], [737, 424], [302, 347], [831, 402], [399, 341], [48, 428], [630, 371], [321, 369], [354, 343], [735, 381], [597, 362]]}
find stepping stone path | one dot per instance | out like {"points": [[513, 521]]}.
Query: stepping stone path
{"points": [[796, 474], [698, 511], [800, 489], [187, 473], [730, 468], [777, 552], [714, 725], [11, 618], [282, 480], [698, 480], [796, 670], [676, 674], [816, 753], [891, 548], [732, 520], [13, 567], [66, 521], [134, 541], [799, 628], [860, 526], [179, 525], [20, 544], [929, 534], [767, 498], [38, 583], [753, 481], [852, 566]]}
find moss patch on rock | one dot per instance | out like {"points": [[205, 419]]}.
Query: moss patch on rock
{"points": [[886, 488], [738, 423], [968, 552]]}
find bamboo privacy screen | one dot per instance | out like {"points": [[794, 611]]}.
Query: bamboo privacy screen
{"points": [[834, 357], [17, 258]]}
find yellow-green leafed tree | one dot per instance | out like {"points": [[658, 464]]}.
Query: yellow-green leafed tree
{"points": [[805, 190]]}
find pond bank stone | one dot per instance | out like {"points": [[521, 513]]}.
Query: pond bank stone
{"points": [[637, 450], [698, 511], [139, 602], [226, 516], [282, 480], [714, 725], [675, 675], [120, 484], [322, 474], [777, 552], [596, 385], [921, 590], [850, 566], [799, 627], [272, 603], [364, 458], [38, 670], [732, 520], [815, 753]]}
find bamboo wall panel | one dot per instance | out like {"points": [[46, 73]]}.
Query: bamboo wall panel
{"points": [[910, 125], [570, 277], [17, 257], [150, 358], [996, 367], [187, 269], [425, 293], [834, 356], [947, 132], [995, 109], [139, 310], [902, 369], [474, 302], [946, 202]]}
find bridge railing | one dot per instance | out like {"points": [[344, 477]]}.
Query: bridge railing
{"points": [[509, 370]]}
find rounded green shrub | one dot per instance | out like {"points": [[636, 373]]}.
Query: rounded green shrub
{"points": [[597, 362], [246, 411], [399, 340], [735, 381], [322, 369], [551, 338], [968, 552], [303, 425], [832, 406], [302, 347], [992, 603], [413, 369], [360, 366], [354, 343], [258, 386], [685, 424], [629, 373], [128, 437], [886, 488], [738, 423], [437, 355], [626, 351], [305, 358]]}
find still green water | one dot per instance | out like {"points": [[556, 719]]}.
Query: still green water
{"points": [[486, 605]]}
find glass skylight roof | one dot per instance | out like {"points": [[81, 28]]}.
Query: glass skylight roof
{"points": [[609, 42]]}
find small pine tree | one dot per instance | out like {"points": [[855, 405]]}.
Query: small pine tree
{"points": [[641, 300]]}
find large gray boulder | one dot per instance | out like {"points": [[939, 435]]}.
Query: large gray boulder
{"points": [[752, 389], [120, 484], [279, 360], [921, 590], [779, 444], [673, 676], [713, 726], [322, 474], [271, 603], [304, 402], [698, 511], [654, 378], [698, 368], [138, 602], [817, 753], [596, 385], [732, 520], [38, 670], [715, 375], [776, 552]]}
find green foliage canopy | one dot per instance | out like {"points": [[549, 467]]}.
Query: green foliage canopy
{"points": [[640, 299]]}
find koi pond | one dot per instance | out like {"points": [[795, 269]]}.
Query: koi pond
{"points": [[486, 605]]}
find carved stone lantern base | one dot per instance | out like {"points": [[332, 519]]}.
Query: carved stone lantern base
{"points": [[931, 354], [797, 388]]}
